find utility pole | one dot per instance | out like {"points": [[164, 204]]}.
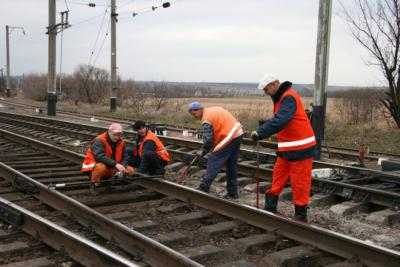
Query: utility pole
{"points": [[321, 72], [2, 80], [51, 75], [8, 80], [114, 85], [8, 61]]}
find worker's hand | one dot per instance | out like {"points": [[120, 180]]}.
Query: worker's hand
{"points": [[129, 170], [120, 167], [254, 136]]}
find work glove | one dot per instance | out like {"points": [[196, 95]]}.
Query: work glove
{"points": [[130, 171], [254, 136], [120, 167]]}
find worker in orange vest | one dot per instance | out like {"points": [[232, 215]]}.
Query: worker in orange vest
{"points": [[105, 156], [222, 136], [149, 156], [296, 145]]}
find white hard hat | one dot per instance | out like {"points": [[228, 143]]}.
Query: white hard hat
{"points": [[267, 79]]}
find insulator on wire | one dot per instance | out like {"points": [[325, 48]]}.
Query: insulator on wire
{"points": [[166, 4], [92, 4], [153, 8], [134, 14]]}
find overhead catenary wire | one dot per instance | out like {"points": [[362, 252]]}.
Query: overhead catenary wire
{"points": [[102, 44], [89, 3], [66, 5], [92, 51], [143, 10]]}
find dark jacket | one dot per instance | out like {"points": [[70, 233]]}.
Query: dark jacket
{"points": [[208, 137], [280, 119], [150, 162], [100, 156]]}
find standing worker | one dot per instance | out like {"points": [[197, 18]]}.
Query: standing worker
{"points": [[222, 135], [150, 155], [296, 145], [105, 156]]}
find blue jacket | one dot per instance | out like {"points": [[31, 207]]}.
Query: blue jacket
{"points": [[280, 119]]}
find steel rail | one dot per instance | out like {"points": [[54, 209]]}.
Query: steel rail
{"points": [[342, 189], [131, 241], [326, 240], [78, 248], [351, 152], [194, 144]]}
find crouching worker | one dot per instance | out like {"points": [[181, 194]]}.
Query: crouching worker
{"points": [[105, 156], [150, 155]]}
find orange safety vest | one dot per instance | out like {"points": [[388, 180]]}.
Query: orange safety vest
{"points": [[298, 133], [225, 126], [89, 162], [160, 149]]}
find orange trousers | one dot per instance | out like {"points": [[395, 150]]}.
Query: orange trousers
{"points": [[102, 171], [299, 173]]}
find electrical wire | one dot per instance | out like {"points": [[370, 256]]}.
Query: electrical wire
{"points": [[97, 37], [66, 5], [102, 44], [85, 3], [87, 20]]}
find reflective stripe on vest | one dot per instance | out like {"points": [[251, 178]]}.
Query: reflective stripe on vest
{"points": [[87, 166], [225, 126], [297, 134], [160, 149], [297, 143], [235, 132], [89, 162]]}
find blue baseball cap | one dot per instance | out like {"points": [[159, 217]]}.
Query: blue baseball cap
{"points": [[195, 106]]}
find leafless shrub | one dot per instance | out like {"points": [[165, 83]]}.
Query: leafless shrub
{"points": [[93, 83], [358, 106], [375, 24], [35, 86], [132, 97]]}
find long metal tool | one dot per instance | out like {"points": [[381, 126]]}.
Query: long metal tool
{"points": [[104, 182], [258, 175], [185, 171]]}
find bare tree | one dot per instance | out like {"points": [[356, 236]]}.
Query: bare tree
{"points": [[93, 83], [35, 86], [375, 24], [357, 106], [132, 96], [160, 95]]}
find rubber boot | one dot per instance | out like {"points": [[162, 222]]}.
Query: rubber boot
{"points": [[271, 203], [94, 190], [300, 213]]}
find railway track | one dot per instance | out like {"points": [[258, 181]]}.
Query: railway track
{"points": [[138, 215], [345, 182], [329, 152]]}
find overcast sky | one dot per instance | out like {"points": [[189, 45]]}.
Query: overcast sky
{"points": [[198, 41]]}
